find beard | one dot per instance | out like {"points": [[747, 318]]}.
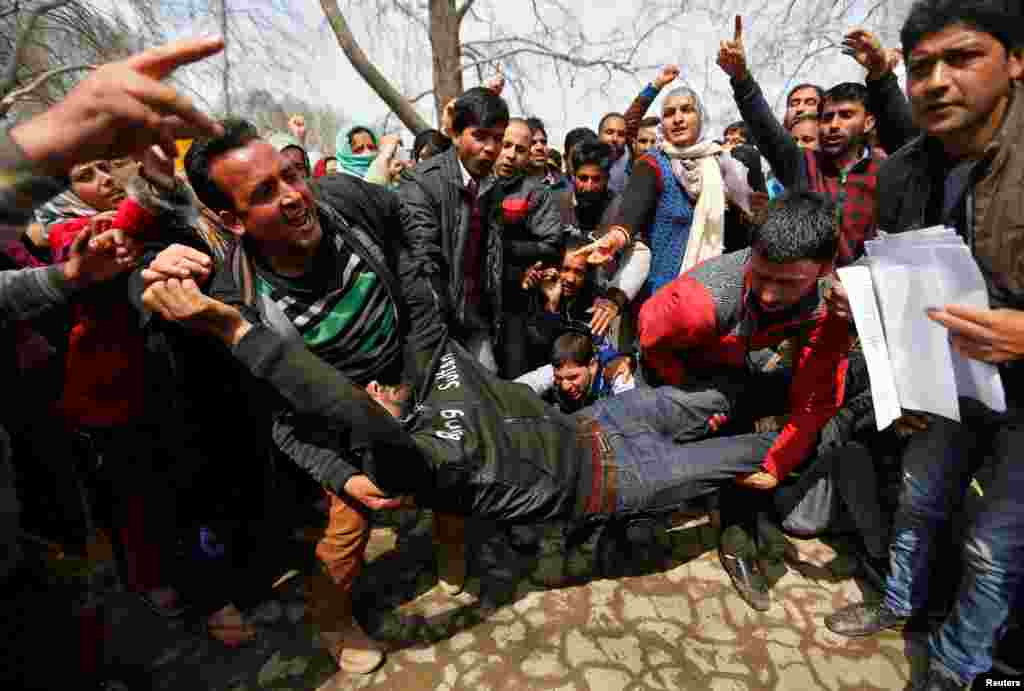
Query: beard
{"points": [[590, 206]]}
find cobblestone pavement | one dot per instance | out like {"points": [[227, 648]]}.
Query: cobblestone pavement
{"points": [[546, 621]]}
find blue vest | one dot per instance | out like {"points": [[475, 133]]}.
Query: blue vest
{"points": [[670, 230]]}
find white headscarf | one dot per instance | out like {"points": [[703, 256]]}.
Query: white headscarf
{"points": [[708, 174]]}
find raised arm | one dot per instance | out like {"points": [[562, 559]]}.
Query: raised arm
{"points": [[772, 139], [886, 100], [642, 103]]}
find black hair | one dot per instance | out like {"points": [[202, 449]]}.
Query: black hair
{"points": [[555, 157], [650, 121], [575, 136], [593, 152], [573, 243], [535, 124], [572, 347], [237, 133], [437, 142], [1003, 19], [479, 107], [738, 125], [799, 225], [360, 129], [607, 116], [847, 92], [749, 156]]}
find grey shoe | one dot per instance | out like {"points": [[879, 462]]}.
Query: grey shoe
{"points": [[864, 619]]}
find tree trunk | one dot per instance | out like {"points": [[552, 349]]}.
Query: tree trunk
{"points": [[446, 46], [366, 69], [226, 75]]}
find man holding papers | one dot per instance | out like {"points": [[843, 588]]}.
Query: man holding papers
{"points": [[964, 62]]}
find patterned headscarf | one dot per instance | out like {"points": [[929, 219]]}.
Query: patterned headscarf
{"points": [[66, 206]]}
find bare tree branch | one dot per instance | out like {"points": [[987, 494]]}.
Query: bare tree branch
{"points": [[8, 101], [10, 72], [366, 69]]}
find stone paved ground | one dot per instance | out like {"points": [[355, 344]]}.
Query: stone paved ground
{"points": [[546, 621]]}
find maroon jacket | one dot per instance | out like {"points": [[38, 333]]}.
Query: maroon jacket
{"points": [[705, 318]]}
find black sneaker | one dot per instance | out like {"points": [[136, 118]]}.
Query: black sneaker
{"points": [[864, 619], [748, 580]]}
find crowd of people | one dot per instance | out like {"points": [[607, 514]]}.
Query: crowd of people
{"points": [[646, 321]]}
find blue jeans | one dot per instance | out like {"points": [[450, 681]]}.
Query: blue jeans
{"points": [[938, 465], [657, 464]]}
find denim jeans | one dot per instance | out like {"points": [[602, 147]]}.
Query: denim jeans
{"points": [[657, 464], [938, 465]]}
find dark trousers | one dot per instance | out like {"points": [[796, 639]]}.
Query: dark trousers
{"points": [[938, 466]]}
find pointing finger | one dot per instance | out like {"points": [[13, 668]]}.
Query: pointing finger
{"points": [[739, 28], [158, 63]]}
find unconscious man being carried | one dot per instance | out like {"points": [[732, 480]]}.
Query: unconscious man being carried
{"points": [[462, 441]]}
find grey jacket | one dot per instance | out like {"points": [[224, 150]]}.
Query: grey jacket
{"points": [[26, 293]]}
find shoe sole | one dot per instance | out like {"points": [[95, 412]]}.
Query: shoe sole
{"points": [[896, 628], [739, 590]]}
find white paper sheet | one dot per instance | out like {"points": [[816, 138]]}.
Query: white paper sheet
{"points": [[856, 280]]}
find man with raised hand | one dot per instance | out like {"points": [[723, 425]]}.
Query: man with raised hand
{"points": [[965, 59], [845, 168]]}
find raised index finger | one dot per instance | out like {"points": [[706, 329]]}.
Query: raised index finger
{"points": [[739, 28], [158, 63]]}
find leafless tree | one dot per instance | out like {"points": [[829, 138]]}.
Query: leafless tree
{"points": [[268, 37], [790, 41], [44, 43], [476, 36]]}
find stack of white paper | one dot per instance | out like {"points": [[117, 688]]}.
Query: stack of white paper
{"points": [[910, 361]]}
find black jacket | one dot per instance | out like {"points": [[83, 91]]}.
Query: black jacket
{"points": [[436, 224], [195, 370], [475, 444], [531, 225]]}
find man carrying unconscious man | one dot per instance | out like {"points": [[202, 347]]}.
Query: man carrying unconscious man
{"points": [[462, 441]]}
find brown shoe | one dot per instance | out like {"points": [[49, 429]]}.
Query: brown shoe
{"points": [[353, 650]]}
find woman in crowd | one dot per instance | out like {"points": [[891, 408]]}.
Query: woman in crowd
{"points": [[677, 195], [357, 149], [104, 395]]}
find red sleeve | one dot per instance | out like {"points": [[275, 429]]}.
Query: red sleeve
{"points": [[131, 217], [61, 235], [677, 318], [815, 394]]}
